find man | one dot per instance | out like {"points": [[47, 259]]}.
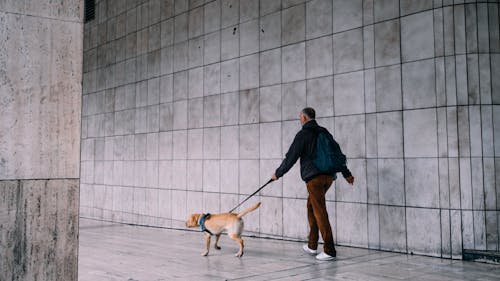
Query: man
{"points": [[317, 184]]}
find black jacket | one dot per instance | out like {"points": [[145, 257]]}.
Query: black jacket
{"points": [[303, 148]]}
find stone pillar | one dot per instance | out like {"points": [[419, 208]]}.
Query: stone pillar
{"points": [[40, 106]]}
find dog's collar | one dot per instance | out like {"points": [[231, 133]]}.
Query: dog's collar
{"points": [[203, 218]]}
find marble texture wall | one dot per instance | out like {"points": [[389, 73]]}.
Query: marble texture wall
{"points": [[189, 106], [41, 47], [39, 233]]}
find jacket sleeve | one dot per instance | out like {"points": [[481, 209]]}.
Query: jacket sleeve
{"points": [[291, 156], [345, 172]]}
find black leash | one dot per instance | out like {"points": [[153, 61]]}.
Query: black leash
{"points": [[251, 195]]}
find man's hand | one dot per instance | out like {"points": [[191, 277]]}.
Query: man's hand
{"points": [[274, 177], [350, 180]]}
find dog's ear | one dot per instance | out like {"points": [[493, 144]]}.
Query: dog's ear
{"points": [[196, 218], [193, 220]]}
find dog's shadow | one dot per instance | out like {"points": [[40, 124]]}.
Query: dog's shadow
{"points": [[227, 248]]}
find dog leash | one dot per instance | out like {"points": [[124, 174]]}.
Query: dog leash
{"points": [[251, 195]]}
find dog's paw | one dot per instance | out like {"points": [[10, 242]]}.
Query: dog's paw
{"points": [[204, 254], [217, 247], [239, 255]]}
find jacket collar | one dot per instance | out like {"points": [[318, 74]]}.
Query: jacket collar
{"points": [[310, 124]]}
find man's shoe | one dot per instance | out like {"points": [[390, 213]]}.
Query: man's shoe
{"points": [[309, 251], [325, 257]]}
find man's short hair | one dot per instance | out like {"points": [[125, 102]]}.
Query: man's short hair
{"points": [[309, 112]]}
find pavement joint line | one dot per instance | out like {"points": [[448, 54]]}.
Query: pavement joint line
{"points": [[322, 265]]}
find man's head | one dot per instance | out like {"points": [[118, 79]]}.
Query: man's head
{"points": [[307, 114]]}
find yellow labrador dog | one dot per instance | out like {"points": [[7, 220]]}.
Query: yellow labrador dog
{"points": [[216, 224]]}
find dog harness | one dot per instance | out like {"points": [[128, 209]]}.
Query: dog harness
{"points": [[203, 218]]}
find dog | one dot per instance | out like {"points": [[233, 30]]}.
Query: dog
{"points": [[216, 224]]}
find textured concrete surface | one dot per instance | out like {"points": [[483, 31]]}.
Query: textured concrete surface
{"points": [[40, 86], [117, 252], [39, 229], [41, 53], [190, 105]]}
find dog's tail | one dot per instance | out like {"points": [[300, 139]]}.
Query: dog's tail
{"points": [[246, 211]]}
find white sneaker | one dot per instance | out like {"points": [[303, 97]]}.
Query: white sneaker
{"points": [[309, 251], [325, 257]]}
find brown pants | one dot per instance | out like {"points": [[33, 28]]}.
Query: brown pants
{"points": [[317, 214]]}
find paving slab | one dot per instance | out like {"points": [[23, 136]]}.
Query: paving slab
{"points": [[111, 251]]}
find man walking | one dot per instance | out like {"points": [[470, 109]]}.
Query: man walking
{"points": [[317, 182]]}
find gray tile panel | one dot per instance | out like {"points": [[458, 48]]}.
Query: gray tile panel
{"points": [[204, 96]]}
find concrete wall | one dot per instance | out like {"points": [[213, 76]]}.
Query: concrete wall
{"points": [[40, 109], [190, 106]]}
